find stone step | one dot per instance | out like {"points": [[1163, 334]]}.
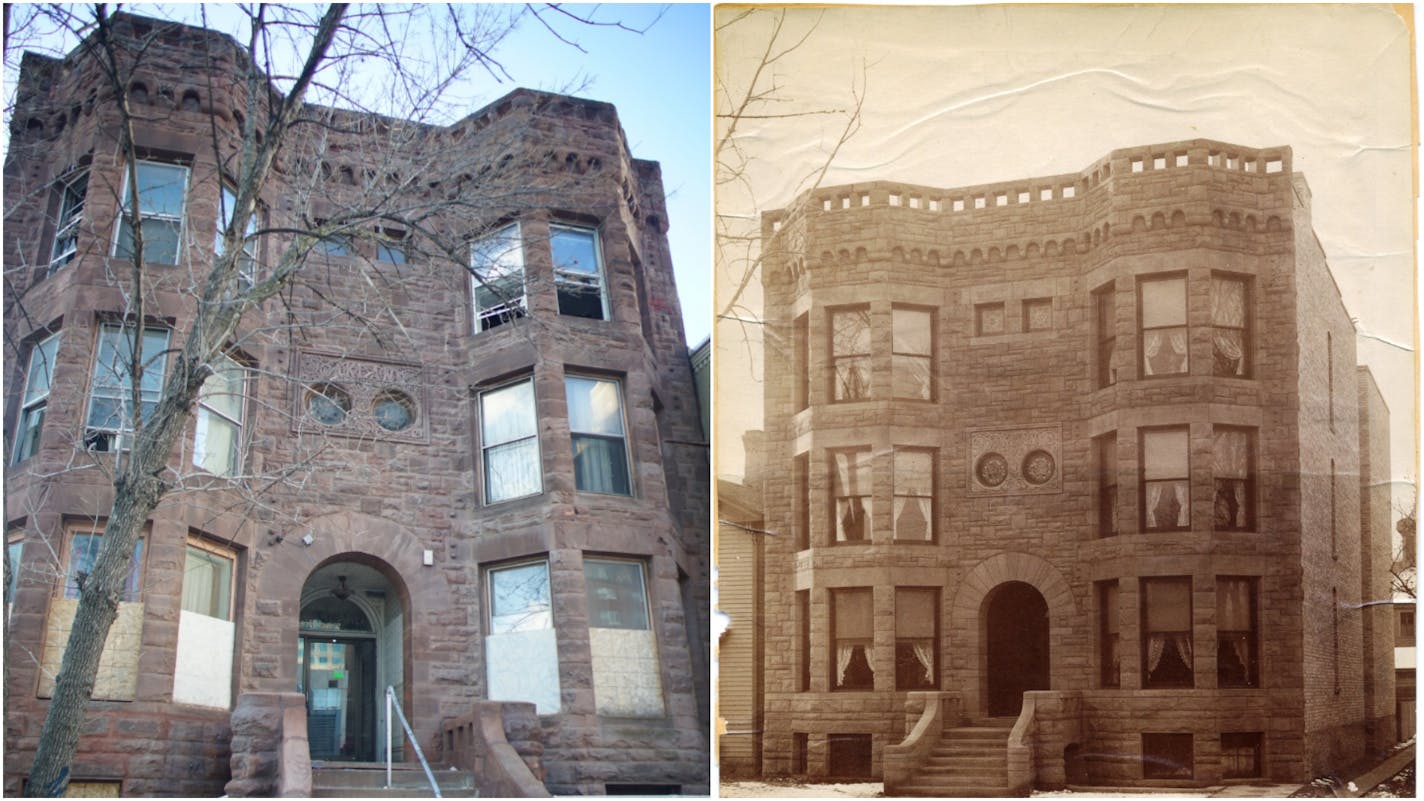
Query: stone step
{"points": [[952, 790], [368, 780], [987, 762]]}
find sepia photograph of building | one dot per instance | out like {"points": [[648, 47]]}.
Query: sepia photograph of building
{"points": [[439, 494], [1064, 404]]}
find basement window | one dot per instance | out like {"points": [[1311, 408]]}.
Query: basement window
{"points": [[1241, 755], [1166, 756], [848, 755]]}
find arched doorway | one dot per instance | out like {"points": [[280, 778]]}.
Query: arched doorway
{"points": [[349, 649], [1016, 646]]}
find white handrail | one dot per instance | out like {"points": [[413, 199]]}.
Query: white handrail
{"points": [[391, 702]]}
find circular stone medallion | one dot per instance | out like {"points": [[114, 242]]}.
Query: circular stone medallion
{"points": [[1038, 467], [991, 469]]}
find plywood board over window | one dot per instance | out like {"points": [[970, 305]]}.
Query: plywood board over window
{"points": [[117, 678]]}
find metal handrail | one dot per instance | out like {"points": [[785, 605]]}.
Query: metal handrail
{"points": [[410, 737]]}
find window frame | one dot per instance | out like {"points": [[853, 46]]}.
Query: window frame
{"points": [[1245, 329], [506, 310], [1168, 741], [934, 667], [1145, 632], [1105, 322], [247, 262], [1109, 480], [642, 584], [123, 432], [133, 588], [866, 644], [1108, 596], [623, 439], [564, 277], [801, 357], [1142, 329], [1253, 740], [486, 445], [929, 359], [803, 641], [932, 519], [489, 594], [1252, 679], [70, 216], [833, 483], [34, 407], [239, 455], [1248, 481], [216, 552], [835, 358], [1143, 481], [801, 499], [181, 218]]}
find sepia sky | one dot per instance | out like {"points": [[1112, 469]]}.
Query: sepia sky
{"points": [[964, 95]]}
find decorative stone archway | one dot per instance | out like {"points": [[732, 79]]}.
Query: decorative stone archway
{"points": [[966, 621]]}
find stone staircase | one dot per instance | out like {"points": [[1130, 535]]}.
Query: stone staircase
{"points": [[969, 761], [368, 780]]}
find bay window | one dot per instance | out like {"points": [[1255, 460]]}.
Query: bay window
{"points": [[247, 261], [627, 677], [35, 398], [162, 191], [73, 191], [1105, 321], [1109, 644], [1105, 455], [521, 649], [509, 442], [217, 439], [202, 673], [1166, 479], [109, 423], [596, 427], [497, 277], [1162, 310]]}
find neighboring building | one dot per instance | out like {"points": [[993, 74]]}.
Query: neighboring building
{"points": [[493, 493], [740, 645], [1405, 666], [1088, 451]]}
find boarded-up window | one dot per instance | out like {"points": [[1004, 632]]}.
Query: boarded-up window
{"points": [[202, 674], [521, 654]]}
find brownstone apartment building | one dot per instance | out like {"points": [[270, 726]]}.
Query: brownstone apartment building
{"points": [[1071, 479], [490, 497]]}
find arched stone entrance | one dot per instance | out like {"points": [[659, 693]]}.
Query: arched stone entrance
{"points": [[1015, 645], [350, 648]]}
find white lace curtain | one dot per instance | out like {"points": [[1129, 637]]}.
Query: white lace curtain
{"points": [[1157, 646], [1160, 504], [1233, 616], [925, 657], [1174, 360]]}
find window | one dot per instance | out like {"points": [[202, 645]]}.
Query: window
{"points": [[803, 640], [617, 598], [1233, 455], [1335, 633], [1166, 756], [1167, 632], [72, 192], [849, 755], [1334, 530], [988, 319], [1236, 647], [335, 245], [390, 247], [1105, 455], [596, 424], [393, 410], [110, 419], [914, 508], [1166, 502], [850, 354], [578, 272], [916, 638], [800, 748], [217, 440], [802, 500], [247, 262], [1162, 307], [328, 403], [801, 369], [912, 353], [14, 547], [497, 281], [519, 598], [83, 549], [1330, 376], [1230, 322], [207, 581], [1109, 646], [1106, 323], [1038, 314], [853, 640], [627, 679], [851, 504], [1241, 755], [509, 442], [35, 398], [161, 192]]}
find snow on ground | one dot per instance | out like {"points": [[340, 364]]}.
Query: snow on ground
{"points": [[798, 790]]}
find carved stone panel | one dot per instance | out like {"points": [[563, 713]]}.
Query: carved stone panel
{"points": [[1015, 461], [353, 397]]}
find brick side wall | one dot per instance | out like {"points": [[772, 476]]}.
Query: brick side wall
{"points": [[1376, 554]]}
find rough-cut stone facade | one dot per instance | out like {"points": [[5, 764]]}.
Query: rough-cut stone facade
{"points": [[1025, 281], [408, 505]]}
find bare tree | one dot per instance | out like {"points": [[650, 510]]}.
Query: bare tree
{"points": [[1403, 570], [347, 173]]}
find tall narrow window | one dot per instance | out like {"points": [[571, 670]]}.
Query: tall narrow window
{"points": [[802, 500], [1330, 376], [578, 272], [72, 193], [1109, 646], [1105, 319], [110, 421], [596, 423], [497, 277], [1236, 640], [912, 353], [1165, 499], [35, 398], [852, 645], [217, 439], [1230, 321], [1234, 473], [626, 673], [916, 638], [509, 442], [162, 189], [850, 354], [914, 495], [202, 673], [851, 503], [1162, 307], [1334, 530], [801, 369], [1335, 633], [521, 652], [1167, 632], [1105, 454], [247, 262], [803, 640], [14, 548]]}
